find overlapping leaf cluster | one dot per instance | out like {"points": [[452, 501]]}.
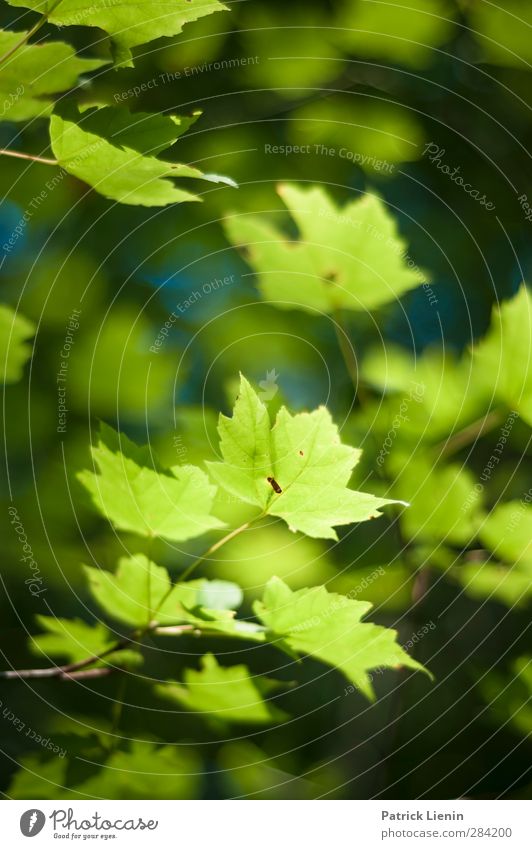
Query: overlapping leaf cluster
{"points": [[113, 151]]}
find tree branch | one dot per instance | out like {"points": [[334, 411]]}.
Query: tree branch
{"points": [[18, 155], [78, 670]]}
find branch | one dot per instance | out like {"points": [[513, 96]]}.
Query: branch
{"points": [[69, 670], [78, 670], [211, 550], [19, 155]]}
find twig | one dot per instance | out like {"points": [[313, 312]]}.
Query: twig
{"points": [[18, 155], [68, 669], [188, 571], [27, 35], [73, 671]]}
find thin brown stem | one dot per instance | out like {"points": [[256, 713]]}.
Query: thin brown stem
{"points": [[98, 672], [68, 669], [79, 669], [188, 571], [29, 34], [18, 155]]}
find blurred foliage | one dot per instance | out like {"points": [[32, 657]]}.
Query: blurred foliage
{"points": [[168, 312]]}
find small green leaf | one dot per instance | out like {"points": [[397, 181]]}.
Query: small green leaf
{"points": [[35, 72], [14, 350], [115, 152], [510, 585], [230, 694], [507, 531], [350, 257], [328, 626], [141, 592], [138, 495], [396, 32], [434, 392], [297, 470], [505, 354], [219, 595], [129, 24], [76, 640], [144, 771], [444, 501]]}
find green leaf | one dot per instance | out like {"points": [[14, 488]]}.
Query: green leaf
{"points": [[35, 72], [505, 354], [115, 153], [434, 392], [297, 470], [444, 503], [230, 694], [328, 626], [140, 592], [219, 595], [14, 351], [350, 257], [144, 771], [138, 495], [396, 31], [511, 586], [507, 531], [129, 24], [75, 640], [503, 32], [376, 134], [509, 695]]}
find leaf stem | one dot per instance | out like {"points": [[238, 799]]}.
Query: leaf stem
{"points": [[348, 352], [72, 671], [30, 33], [188, 571], [19, 155]]}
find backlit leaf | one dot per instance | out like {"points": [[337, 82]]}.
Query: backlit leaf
{"points": [[230, 693], [15, 330], [136, 494], [348, 257], [297, 470], [115, 152], [129, 24], [329, 627], [34, 73]]}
